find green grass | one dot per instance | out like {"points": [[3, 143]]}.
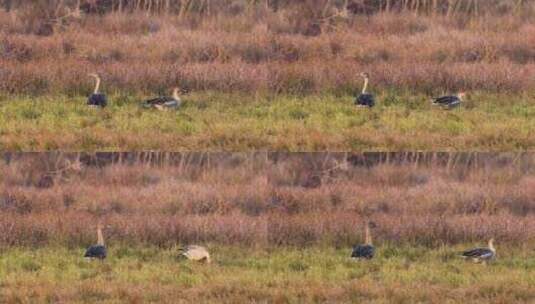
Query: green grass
{"points": [[210, 121], [285, 275]]}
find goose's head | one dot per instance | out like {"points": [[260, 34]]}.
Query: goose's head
{"points": [[94, 75], [176, 93], [364, 75], [462, 94], [101, 226]]}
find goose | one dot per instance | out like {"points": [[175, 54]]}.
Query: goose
{"points": [[164, 102], [365, 99], [366, 250], [481, 254], [450, 101], [97, 100], [195, 253], [97, 251]]}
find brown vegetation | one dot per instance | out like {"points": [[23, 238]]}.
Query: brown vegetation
{"points": [[276, 48], [266, 199]]}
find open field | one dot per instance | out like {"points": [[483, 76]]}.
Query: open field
{"points": [[279, 226], [267, 75], [278, 275], [268, 78], [237, 122]]}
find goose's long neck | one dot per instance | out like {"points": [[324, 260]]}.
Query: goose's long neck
{"points": [[97, 85], [491, 246], [175, 94], [368, 235], [100, 237], [365, 87]]}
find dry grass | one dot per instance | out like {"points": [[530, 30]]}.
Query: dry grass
{"points": [[265, 200], [268, 53]]}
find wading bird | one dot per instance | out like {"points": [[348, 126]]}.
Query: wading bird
{"points": [[366, 250], [481, 254], [97, 100], [97, 251], [449, 102], [365, 99], [164, 102], [195, 253]]}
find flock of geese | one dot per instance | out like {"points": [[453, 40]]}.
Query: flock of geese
{"points": [[191, 252], [99, 100], [364, 251], [199, 253], [364, 99]]}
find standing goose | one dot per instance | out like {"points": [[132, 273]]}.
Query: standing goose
{"points": [[481, 254], [164, 102], [97, 100], [366, 250], [195, 253], [97, 251], [449, 102], [365, 99]]}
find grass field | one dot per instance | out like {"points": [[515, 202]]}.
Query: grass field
{"points": [[240, 122], [269, 76], [277, 275], [265, 78], [279, 227]]}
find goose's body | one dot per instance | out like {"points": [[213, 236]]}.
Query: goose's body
{"points": [[481, 254], [164, 102], [195, 253], [365, 99], [97, 99], [363, 252], [449, 102], [366, 250], [97, 251]]}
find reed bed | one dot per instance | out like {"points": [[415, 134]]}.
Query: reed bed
{"points": [[267, 51], [264, 200]]}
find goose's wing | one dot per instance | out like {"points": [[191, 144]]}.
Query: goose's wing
{"points": [[97, 251], [454, 103], [487, 254], [195, 253], [478, 253], [363, 251], [446, 100], [99, 100], [167, 102], [159, 100], [365, 100]]}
